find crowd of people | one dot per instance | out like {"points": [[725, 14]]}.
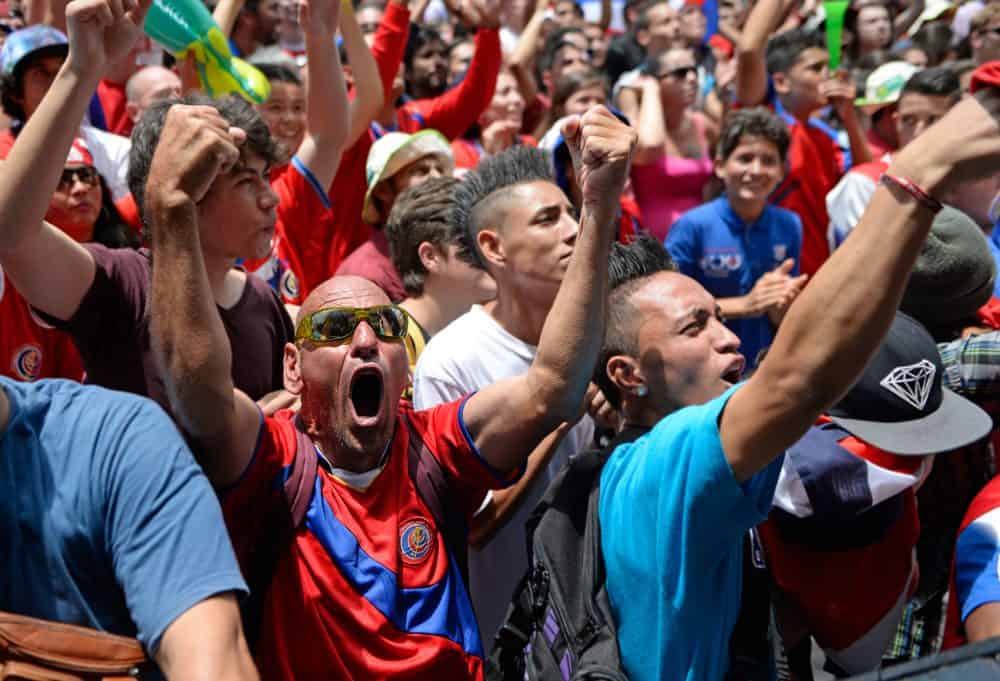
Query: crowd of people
{"points": [[283, 383]]}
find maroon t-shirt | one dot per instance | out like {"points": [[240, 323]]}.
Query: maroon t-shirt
{"points": [[371, 261], [111, 329]]}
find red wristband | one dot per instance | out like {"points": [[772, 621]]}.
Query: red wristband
{"points": [[914, 190]]}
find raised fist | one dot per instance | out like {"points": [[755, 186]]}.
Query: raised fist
{"points": [[601, 147], [196, 146], [102, 31]]}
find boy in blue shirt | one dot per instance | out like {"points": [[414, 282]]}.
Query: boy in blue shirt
{"points": [[744, 251]]}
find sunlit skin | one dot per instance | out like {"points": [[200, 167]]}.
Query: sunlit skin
{"points": [[458, 274], [428, 75], [36, 79], [750, 173], [285, 114], [507, 103], [459, 59], [76, 205], [323, 375], [874, 28], [584, 99], [677, 91], [238, 212], [417, 172], [537, 240], [664, 28], [916, 112], [686, 354], [801, 84]]}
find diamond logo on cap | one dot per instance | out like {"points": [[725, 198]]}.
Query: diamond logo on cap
{"points": [[911, 383]]}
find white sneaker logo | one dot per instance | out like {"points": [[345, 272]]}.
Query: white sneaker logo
{"points": [[911, 383]]}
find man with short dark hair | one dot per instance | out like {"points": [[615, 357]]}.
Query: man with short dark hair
{"points": [[101, 296], [522, 227], [707, 449], [789, 73], [369, 586], [438, 266], [924, 98]]}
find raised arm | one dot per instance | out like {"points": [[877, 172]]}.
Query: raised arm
{"points": [[326, 115], [509, 419], [751, 66], [453, 112], [651, 127], [225, 14], [906, 18], [206, 644], [48, 268], [369, 95], [522, 61], [191, 344], [837, 323]]}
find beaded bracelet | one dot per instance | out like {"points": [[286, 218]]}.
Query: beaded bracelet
{"points": [[911, 188]]}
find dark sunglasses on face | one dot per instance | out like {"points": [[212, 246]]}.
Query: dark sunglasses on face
{"points": [[679, 73], [336, 325], [86, 174]]}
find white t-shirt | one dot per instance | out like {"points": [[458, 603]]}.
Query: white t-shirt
{"points": [[471, 353], [110, 154]]}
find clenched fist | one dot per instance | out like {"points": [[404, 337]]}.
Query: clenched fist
{"points": [[601, 148], [196, 146]]}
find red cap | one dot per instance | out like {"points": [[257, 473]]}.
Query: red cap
{"points": [[987, 75]]}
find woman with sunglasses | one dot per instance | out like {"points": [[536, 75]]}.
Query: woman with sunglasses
{"points": [[672, 163], [83, 209]]}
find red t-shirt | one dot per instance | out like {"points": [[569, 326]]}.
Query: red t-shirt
{"points": [[373, 262], [368, 589], [814, 168], [29, 350], [296, 264], [451, 114]]}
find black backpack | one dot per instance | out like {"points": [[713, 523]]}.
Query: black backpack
{"points": [[559, 625]]}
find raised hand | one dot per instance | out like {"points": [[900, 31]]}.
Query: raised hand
{"points": [[601, 147], [776, 289], [499, 135], [196, 146], [319, 17], [840, 92], [102, 31]]}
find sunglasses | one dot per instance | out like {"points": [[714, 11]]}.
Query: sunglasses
{"points": [[335, 325], [679, 73], [86, 174]]}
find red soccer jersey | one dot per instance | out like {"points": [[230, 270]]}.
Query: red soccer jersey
{"points": [[296, 264], [29, 350], [368, 589], [813, 170]]}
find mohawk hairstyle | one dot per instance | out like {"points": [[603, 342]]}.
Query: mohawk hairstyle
{"points": [[629, 266], [476, 197]]}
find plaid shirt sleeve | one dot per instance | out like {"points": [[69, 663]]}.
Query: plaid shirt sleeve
{"points": [[972, 366]]}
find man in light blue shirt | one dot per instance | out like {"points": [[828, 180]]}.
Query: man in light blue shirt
{"points": [[675, 503]]}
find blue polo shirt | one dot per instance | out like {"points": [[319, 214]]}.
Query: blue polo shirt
{"points": [[995, 250], [672, 518], [713, 245]]}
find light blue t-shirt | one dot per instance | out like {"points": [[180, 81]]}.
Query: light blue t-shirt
{"points": [[106, 520], [672, 521]]}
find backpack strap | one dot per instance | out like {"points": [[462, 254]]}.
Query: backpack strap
{"points": [[431, 483], [280, 528]]}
